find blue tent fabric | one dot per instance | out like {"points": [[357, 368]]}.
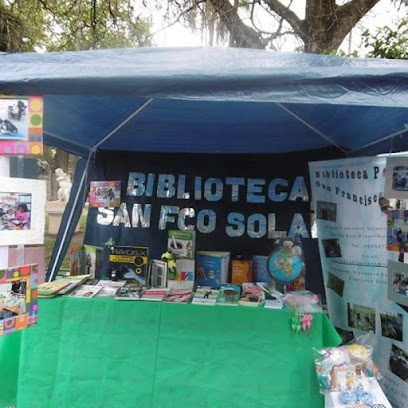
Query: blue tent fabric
{"points": [[212, 100]]}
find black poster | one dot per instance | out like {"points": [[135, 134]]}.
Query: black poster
{"points": [[234, 202]]}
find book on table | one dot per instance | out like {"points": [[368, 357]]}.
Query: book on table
{"points": [[228, 295], [129, 291], [178, 296], [251, 295], [85, 291], [205, 295], [109, 288], [74, 282], [154, 295], [51, 289], [212, 268]]}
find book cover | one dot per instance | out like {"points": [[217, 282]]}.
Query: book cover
{"points": [[212, 268], [155, 295], [260, 270], [205, 296], [104, 194], [86, 260], [182, 278], [86, 291], [270, 291], [273, 304], [228, 295], [129, 263], [50, 289], [178, 296], [158, 274], [241, 271], [251, 296], [109, 288], [181, 243], [129, 291], [74, 281]]}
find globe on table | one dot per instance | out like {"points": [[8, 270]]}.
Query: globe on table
{"points": [[284, 265]]}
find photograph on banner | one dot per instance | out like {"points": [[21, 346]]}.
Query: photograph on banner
{"points": [[399, 362], [13, 119], [361, 317], [21, 125], [336, 284], [22, 211], [326, 211], [332, 248], [396, 177], [391, 325], [346, 335], [397, 230], [398, 282], [105, 194], [15, 211]]}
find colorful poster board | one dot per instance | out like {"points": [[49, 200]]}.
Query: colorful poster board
{"points": [[21, 125], [22, 211], [104, 194], [18, 298], [352, 233]]}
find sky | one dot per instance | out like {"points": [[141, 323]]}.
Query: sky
{"points": [[180, 36]]}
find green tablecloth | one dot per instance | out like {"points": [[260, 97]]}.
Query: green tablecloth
{"points": [[106, 353]]}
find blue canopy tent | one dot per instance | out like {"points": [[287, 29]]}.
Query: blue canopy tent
{"points": [[208, 101]]}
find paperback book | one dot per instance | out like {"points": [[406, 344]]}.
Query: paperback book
{"points": [[129, 291], [251, 296], [178, 296], [155, 295], [109, 288], [86, 291], [157, 274], [228, 295], [241, 271], [74, 282], [181, 243], [51, 289], [129, 263], [86, 260], [212, 268], [205, 296], [182, 277], [270, 291]]}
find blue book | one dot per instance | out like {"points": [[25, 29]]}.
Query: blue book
{"points": [[260, 269], [212, 268]]}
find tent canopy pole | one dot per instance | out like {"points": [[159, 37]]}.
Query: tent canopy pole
{"points": [[317, 131]]}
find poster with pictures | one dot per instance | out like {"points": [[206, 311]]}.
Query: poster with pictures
{"points": [[397, 230], [18, 298], [396, 177], [21, 125], [22, 211], [105, 194], [352, 231]]}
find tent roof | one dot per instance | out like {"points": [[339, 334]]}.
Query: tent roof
{"points": [[213, 100]]}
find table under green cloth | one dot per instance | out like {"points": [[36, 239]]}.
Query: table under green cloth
{"points": [[107, 353]]}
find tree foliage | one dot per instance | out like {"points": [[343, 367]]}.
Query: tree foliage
{"points": [[64, 25], [387, 42]]}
